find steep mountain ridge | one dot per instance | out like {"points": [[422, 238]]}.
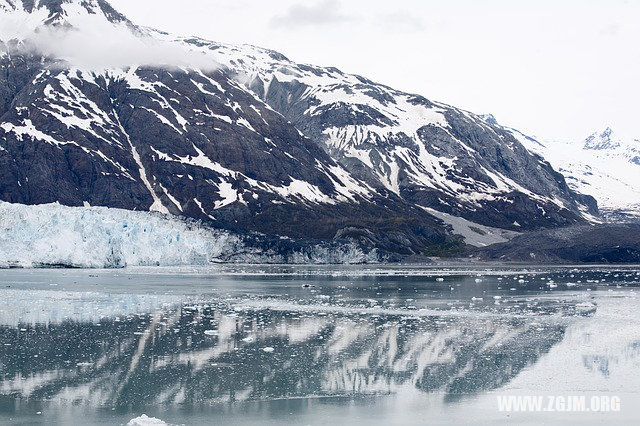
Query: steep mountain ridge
{"points": [[187, 142], [431, 154], [179, 142]]}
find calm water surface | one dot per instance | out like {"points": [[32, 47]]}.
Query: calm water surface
{"points": [[315, 345]]}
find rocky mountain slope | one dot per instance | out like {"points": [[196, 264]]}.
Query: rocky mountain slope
{"points": [[430, 154], [599, 244], [249, 141]]}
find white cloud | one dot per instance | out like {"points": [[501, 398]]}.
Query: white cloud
{"points": [[326, 12], [94, 43], [401, 21]]}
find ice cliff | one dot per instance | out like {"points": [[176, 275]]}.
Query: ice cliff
{"points": [[98, 237]]}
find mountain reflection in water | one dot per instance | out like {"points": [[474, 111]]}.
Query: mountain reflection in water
{"points": [[225, 351]]}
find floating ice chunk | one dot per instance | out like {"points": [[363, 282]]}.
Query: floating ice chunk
{"points": [[586, 306], [145, 420]]}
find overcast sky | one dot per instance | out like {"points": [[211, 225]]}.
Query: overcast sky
{"points": [[560, 69]]}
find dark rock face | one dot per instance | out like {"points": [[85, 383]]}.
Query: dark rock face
{"points": [[575, 244]]}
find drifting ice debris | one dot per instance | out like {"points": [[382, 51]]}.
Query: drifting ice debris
{"points": [[586, 307]]}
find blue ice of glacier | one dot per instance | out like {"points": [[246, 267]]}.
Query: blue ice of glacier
{"points": [[97, 237]]}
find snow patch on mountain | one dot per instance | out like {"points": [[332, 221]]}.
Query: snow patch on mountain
{"points": [[473, 233]]}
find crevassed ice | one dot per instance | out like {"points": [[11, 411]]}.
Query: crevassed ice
{"points": [[100, 237]]}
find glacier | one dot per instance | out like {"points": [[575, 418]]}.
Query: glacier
{"points": [[53, 235]]}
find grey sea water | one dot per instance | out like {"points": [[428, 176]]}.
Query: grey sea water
{"points": [[316, 345]]}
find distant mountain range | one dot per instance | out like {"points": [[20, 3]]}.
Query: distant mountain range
{"points": [[254, 142], [604, 165]]}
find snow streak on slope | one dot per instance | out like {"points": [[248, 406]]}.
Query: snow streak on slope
{"points": [[473, 233]]}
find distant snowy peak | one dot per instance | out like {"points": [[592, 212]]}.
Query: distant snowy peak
{"points": [[610, 144], [604, 165], [603, 140]]}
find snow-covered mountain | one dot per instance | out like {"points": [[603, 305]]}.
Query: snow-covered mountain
{"points": [[245, 139], [430, 154], [604, 166], [59, 12]]}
